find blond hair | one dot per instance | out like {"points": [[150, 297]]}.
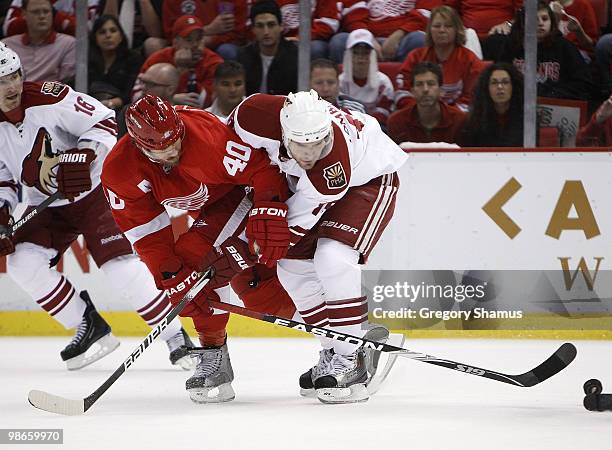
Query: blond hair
{"points": [[448, 13]]}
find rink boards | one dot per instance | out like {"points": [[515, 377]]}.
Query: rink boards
{"points": [[457, 212]]}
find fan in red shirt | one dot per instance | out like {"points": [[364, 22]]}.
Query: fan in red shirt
{"points": [[598, 132], [445, 40], [196, 64], [187, 159], [224, 22]]}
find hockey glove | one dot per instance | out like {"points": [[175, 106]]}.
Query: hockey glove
{"points": [[73, 176], [268, 228], [177, 280], [227, 260], [6, 240]]}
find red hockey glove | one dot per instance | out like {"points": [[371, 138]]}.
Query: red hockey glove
{"points": [[6, 240], [267, 226], [73, 176], [177, 280], [227, 260]]}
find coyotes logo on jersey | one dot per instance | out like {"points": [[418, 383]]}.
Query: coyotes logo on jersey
{"points": [[38, 167], [335, 176]]}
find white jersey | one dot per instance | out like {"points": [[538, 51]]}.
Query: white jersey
{"points": [[55, 119], [360, 153]]}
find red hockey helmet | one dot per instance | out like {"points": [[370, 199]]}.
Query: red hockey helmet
{"points": [[153, 123]]}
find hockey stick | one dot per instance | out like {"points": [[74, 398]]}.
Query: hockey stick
{"points": [[37, 210], [61, 405], [558, 361]]}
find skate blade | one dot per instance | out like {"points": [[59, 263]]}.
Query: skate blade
{"points": [[219, 394], [97, 350], [385, 364], [185, 363], [309, 393], [355, 393]]}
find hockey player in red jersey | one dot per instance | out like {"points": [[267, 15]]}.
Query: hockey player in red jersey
{"points": [[55, 139], [188, 159], [341, 169]]}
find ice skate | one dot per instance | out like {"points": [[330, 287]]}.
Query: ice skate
{"points": [[213, 376], [344, 380], [379, 364], [93, 339], [306, 379], [179, 346]]}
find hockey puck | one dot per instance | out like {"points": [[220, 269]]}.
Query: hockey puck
{"points": [[592, 386]]}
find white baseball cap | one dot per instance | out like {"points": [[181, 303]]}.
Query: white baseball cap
{"points": [[361, 36]]}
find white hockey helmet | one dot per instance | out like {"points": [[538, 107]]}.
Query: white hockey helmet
{"points": [[305, 118], [9, 60]]}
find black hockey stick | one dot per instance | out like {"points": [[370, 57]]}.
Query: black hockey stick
{"points": [[61, 405], [558, 361], [34, 212]]}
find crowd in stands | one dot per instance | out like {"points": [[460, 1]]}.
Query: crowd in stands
{"points": [[427, 70]]}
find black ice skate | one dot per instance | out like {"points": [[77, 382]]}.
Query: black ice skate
{"points": [[345, 379], [306, 379], [93, 339], [212, 379], [179, 346]]}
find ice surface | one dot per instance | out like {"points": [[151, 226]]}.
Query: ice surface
{"points": [[421, 406]]}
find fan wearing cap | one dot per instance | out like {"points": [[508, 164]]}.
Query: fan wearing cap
{"points": [[54, 140], [341, 168], [361, 78], [225, 23], [188, 159], [196, 64]]}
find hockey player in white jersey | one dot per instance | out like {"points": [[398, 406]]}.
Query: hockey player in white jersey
{"points": [[341, 168], [55, 139]]}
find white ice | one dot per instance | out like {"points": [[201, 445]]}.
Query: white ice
{"points": [[420, 407]]}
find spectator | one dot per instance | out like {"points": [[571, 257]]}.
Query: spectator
{"points": [[64, 20], [270, 63], [444, 45], [324, 80], [141, 24], [45, 54], [361, 78], [325, 22], [487, 17], [428, 119], [603, 56], [228, 89], [598, 132], [561, 72], [225, 22], [398, 24], [496, 113], [110, 60], [160, 79], [578, 24], [196, 64]]}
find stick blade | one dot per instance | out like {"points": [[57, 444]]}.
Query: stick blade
{"points": [[55, 404], [552, 366]]}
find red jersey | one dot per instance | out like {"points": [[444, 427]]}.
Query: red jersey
{"points": [[353, 15], [214, 160], [387, 16], [460, 74], [206, 11], [325, 18], [583, 11], [404, 125], [482, 15], [595, 134], [204, 73]]}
